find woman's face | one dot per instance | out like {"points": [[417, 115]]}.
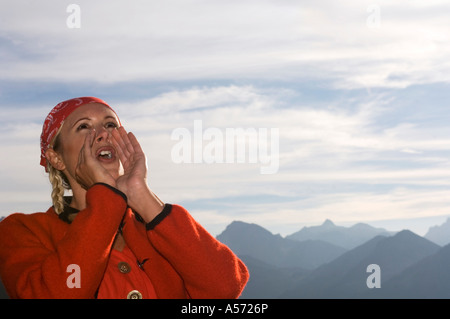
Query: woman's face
{"points": [[73, 134]]}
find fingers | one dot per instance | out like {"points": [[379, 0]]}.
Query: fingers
{"points": [[84, 157], [86, 149], [120, 146], [126, 144], [135, 144], [123, 140]]}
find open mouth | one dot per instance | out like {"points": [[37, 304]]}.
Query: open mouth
{"points": [[106, 154]]}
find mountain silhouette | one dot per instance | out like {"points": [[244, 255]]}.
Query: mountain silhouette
{"points": [[252, 240], [346, 237], [346, 276], [268, 281], [428, 278], [439, 234]]}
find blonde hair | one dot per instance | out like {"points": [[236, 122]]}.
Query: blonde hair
{"points": [[59, 182]]}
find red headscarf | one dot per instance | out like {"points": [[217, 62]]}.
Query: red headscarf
{"points": [[56, 117]]}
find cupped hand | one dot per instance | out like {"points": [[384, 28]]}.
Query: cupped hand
{"points": [[89, 170], [134, 178]]}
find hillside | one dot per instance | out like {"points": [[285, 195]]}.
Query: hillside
{"points": [[268, 281], [278, 269], [346, 276], [428, 278], [255, 241]]}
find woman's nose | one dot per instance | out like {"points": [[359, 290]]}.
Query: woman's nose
{"points": [[102, 134]]}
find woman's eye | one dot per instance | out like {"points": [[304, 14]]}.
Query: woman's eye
{"points": [[82, 126], [111, 125]]}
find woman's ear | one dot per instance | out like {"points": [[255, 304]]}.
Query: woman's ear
{"points": [[55, 159]]}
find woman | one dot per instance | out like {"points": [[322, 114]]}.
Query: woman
{"points": [[114, 238]]}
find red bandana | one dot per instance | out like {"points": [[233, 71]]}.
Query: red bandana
{"points": [[56, 117]]}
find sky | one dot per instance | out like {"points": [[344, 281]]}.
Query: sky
{"points": [[348, 101]]}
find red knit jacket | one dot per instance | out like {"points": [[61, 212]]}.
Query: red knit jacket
{"points": [[179, 256]]}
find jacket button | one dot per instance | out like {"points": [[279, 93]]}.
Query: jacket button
{"points": [[124, 268], [134, 294]]}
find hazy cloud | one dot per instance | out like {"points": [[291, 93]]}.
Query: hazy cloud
{"points": [[215, 39], [357, 90]]}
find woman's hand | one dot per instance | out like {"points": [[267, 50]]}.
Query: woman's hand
{"points": [[133, 161], [133, 182], [89, 170]]}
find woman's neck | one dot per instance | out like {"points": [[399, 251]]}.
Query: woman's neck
{"points": [[79, 198]]}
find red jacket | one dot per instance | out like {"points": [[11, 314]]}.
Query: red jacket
{"points": [[179, 256]]}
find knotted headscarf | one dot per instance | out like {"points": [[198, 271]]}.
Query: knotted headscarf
{"points": [[56, 117]]}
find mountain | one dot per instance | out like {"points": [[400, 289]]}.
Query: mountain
{"points": [[346, 237], [346, 276], [439, 234], [268, 281], [429, 278], [255, 241]]}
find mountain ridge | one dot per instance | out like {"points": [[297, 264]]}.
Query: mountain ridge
{"points": [[426, 279], [346, 237], [345, 277], [253, 240], [440, 234]]}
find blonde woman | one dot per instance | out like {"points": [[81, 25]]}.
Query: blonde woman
{"points": [[114, 238]]}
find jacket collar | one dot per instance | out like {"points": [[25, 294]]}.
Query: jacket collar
{"points": [[66, 214]]}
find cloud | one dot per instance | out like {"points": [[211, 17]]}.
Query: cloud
{"points": [[361, 108], [317, 144], [348, 208], [342, 160], [205, 40]]}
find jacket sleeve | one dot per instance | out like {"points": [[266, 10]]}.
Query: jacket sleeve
{"points": [[209, 269], [35, 255]]}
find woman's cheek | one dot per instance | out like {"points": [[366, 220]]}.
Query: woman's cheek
{"points": [[72, 155]]}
